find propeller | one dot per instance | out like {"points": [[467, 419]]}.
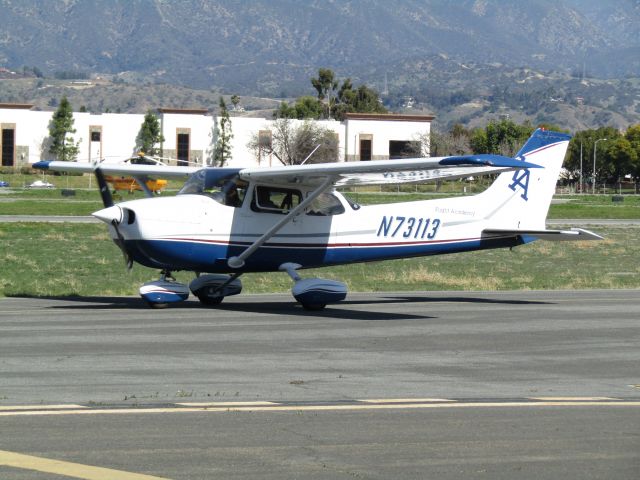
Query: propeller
{"points": [[120, 243], [105, 193], [107, 201]]}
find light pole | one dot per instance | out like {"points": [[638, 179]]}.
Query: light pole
{"points": [[595, 147], [581, 184]]}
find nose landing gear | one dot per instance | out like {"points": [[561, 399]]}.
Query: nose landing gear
{"points": [[160, 293]]}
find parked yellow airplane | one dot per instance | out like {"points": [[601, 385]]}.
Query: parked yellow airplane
{"points": [[131, 184]]}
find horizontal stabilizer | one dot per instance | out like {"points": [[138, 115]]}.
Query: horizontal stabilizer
{"points": [[551, 235]]}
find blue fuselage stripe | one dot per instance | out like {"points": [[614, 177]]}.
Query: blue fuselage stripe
{"points": [[212, 257]]}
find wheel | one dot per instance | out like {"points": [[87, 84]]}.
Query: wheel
{"points": [[157, 305], [313, 307], [210, 301]]}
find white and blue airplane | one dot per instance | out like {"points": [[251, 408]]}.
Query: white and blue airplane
{"points": [[228, 221]]}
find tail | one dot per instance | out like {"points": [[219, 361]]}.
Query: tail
{"points": [[519, 200]]}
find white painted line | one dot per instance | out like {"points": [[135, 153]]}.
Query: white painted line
{"points": [[405, 400], [67, 469], [574, 399], [40, 407], [343, 407], [226, 404]]}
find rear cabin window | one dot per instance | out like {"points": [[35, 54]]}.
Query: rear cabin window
{"points": [[326, 204]]}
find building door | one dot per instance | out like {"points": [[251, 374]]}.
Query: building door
{"points": [[403, 149], [95, 148], [8, 147], [365, 148], [182, 150]]}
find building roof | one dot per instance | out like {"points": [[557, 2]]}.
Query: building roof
{"points": [[386, 117], [184, 111], [17, 106]]}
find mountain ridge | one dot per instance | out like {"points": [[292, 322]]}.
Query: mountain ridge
{"points": [[202, 44]]}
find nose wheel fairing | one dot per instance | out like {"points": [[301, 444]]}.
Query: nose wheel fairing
{"points": [[161, 293]]}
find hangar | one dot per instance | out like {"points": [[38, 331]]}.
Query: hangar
{"points": [[190, 135]]}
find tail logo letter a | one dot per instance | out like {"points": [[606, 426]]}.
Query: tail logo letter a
{"points": [[521, 179]]}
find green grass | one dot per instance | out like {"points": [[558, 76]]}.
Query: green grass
{"points": [[84, 202], [42, 259], [23, 201], [595, 206]]}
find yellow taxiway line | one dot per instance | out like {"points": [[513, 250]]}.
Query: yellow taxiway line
{"points": [[68, 469]]}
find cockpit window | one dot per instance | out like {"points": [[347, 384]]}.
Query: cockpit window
{"points": [[326, 204], [275, 200], [220, 184]]}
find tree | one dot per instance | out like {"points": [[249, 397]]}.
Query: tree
{"points": [[305, 107], [361, 100], [149, 135], [235, 100], [292, 144], [338, 102], [325, 85], [223, 136], [587, 139], [503, 138], [63, 146], [633, 136], [454, 142], [621, 158]]}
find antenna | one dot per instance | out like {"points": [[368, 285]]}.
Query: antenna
{"points": [[309, 156]]}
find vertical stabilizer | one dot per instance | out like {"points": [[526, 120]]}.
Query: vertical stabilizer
{"points": [[520, 199]]}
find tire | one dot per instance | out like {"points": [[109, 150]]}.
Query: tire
{"points": [[314, 307], [157, 306], [209, 301]]}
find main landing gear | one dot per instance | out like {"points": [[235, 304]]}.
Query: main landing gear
{"points": [[312, 293], [210, 289]]}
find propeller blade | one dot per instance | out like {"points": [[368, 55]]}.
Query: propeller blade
{"points": [[105, 193], [120, 243], [107, 200]]}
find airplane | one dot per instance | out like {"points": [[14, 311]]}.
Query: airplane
{"points": [[130, 184], [225, 222]]}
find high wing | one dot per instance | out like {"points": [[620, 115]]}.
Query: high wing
{"points": [[125, 169], [412, 170]]}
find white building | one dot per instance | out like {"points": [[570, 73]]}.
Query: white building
{"points": [[190, 135]]}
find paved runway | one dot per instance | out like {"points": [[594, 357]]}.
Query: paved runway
{"points": [[404, 385]]}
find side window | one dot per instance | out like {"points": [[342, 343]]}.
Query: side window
{"points": [[275, 200], [325, 205]]}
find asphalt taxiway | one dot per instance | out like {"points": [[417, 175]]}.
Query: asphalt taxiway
{"points": [[394, 385]]}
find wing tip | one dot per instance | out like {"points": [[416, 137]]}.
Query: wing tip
{"points": [[41, 165]]}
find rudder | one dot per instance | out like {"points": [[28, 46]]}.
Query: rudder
{"points": [[520, 199]]}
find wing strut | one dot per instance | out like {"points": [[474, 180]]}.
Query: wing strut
{"points": [[238, 261], [142, 181]]}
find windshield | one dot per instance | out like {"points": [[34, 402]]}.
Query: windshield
{"points": [[220, 184]]}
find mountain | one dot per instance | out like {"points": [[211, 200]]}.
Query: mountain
{"points": [[575, 63], [272, 47]]}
